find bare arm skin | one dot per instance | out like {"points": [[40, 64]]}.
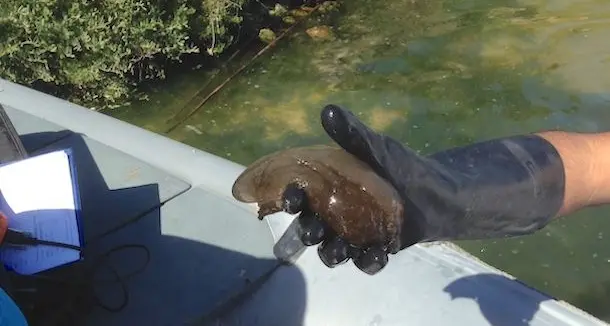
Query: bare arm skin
{"points": [[586, 159]]}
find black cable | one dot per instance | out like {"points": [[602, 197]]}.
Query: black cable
{"points": [[18, 238], [83, 281]]}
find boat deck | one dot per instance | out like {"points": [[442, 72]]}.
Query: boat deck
{"points": [[211, 259]]}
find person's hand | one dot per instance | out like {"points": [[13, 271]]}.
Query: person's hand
{"points": [[3, 227], [504, 187]]}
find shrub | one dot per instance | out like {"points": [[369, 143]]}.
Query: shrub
{"points": [[95, 52]]}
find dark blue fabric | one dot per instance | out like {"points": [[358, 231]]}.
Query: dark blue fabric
{"points": [[10, 314]]}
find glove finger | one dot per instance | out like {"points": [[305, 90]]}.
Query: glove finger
{"points": [[386, 156], [350, 133], [294, 199], [334, 251], [372, 260], [311, 229]]}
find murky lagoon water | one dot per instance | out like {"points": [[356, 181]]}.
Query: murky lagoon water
{"points": [[432, 74]]}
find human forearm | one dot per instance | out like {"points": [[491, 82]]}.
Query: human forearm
{"points": [[586, 160]]}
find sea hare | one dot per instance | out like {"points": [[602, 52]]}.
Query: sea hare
{"points": [[347, 194]]}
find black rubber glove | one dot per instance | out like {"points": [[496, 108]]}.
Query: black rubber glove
{"points": [[499, 188]]}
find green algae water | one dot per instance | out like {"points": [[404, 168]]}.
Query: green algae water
{"points": [[433, 74]]}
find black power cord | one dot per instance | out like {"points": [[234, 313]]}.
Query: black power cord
{"points": [[18, 238], [66, 299]]}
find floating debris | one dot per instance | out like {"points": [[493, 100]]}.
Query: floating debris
{"points": [[320, 33], [194, 129], [266, 35]]}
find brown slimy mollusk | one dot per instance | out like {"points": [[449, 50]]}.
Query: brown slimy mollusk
{"points": [[349, 196]]}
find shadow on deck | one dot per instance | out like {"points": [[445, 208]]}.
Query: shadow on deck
{"points": [[203, 257]]}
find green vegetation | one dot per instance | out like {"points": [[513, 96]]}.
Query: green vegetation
{"points": [[97, 53]]}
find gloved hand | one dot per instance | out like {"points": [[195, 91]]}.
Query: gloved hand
{"points": [[503, 187]]}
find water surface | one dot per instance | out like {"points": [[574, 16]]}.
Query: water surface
{"points": [[433, 74]]}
